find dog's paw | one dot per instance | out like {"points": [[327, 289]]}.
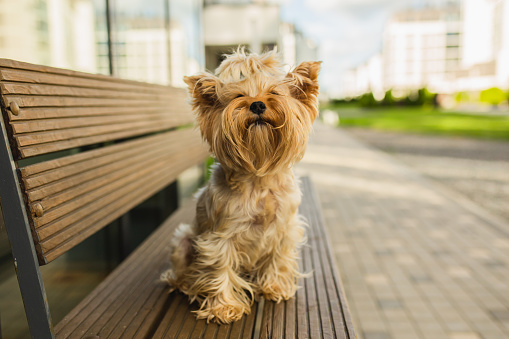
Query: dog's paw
{"points": [[223, 313], [279, 292]]}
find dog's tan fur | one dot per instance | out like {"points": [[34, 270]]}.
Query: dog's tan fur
{"points": [[247, 233]]}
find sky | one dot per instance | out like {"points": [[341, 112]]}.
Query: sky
{"points": [[348, 32]]}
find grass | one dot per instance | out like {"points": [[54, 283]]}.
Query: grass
{"points": [[426, 121]]}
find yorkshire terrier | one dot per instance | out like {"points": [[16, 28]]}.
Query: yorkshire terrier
{"points": [[246, 235]]}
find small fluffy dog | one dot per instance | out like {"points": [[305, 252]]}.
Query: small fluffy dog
{"points": [[246, 235]]}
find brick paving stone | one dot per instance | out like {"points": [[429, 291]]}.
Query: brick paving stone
{"points": [[376, 335], [464, 335], [389, 303], [500, 315], [416, 260]]}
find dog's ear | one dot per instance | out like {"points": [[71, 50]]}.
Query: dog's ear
{"points": [[304, 81], [203, 90]]}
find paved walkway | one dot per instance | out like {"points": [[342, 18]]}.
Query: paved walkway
{"points": [[477, 168], [416, 260]]}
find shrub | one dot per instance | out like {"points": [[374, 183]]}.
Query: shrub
{"points": [[462, 97], [493, 96], [368, 100], [388, 99]]}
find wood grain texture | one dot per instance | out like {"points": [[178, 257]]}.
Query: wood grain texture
{"points": [[25, 72], [131, 303], [82, 193], [77, 205], [127, 280], [71, 90], [61, 109], [319, 309]]}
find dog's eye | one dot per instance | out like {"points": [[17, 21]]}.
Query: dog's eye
{"points": [[274, 93], [239, 96]]}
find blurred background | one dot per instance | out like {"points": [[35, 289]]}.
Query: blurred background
{"points": [[425, 80]]}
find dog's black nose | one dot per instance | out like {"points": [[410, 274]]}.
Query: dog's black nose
{"points": [[258, 107]]}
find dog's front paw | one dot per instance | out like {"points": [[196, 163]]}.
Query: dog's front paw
{"points": [[279, 292], [215, 309]]}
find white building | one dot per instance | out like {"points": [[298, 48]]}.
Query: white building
{"points": [[462, 47], [501, 42], [422, 48], [368, 77], [254, 24]]}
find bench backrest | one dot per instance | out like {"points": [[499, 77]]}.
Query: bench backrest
{"points": [[127, 140]]}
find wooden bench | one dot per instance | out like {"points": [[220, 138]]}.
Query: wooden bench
{"points": [[129, 140]]}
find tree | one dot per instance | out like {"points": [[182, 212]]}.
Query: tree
{"points": [[493, 96]]}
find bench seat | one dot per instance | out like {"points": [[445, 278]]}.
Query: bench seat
{"points": [[132, 303]]}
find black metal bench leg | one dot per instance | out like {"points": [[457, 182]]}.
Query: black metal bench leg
{"points": [[23, 250]]}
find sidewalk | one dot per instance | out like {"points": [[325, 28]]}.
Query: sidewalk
{"points": [[416, 260]]}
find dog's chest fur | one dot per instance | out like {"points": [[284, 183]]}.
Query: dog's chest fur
{"points": [[256, 212]]}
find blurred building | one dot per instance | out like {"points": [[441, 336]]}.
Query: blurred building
{"points": [[368, 77], [254, 24], [59, 33], [422, 48], [145, 51], [463, 46], [158, 42]]}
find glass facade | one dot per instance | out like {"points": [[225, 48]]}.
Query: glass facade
{"points": [[157, 41]]}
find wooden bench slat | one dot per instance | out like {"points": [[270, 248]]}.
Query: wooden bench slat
{"points": [[322, 272], [111, 321], [39, 168], [278, 320], [51, 173], [81, 80], [328, 297], [62, 203], [76, 208], [336, 295], [301, 305], [314, 329], [56, 245], [338, 307], [290, 319], [267, 316], [316, 311], [11, 70], [198, 330], [237, 328], [37, 113], [120, 309], [119, 283], [99, 132], [49, 147], [211, 330], [126, 324], [188, 326], [61, 191], [51, 184], [31, 126], [25, 101], [22, 88], [60, 109]]}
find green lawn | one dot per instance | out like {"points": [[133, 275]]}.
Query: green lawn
{"points": [[425, 120]]}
